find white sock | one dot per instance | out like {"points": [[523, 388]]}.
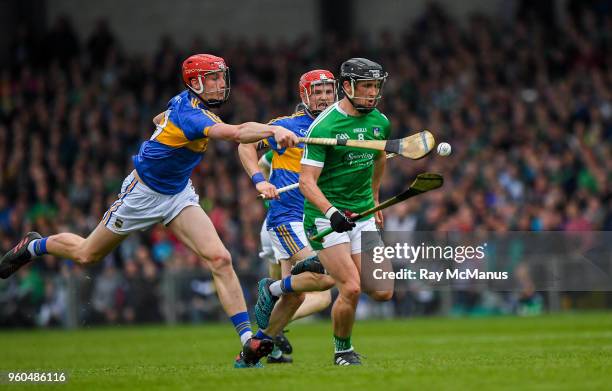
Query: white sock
{"points": [[31, 247], [245, 337], [275, 288]]}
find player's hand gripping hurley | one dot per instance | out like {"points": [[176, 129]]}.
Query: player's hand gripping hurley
{"points": [[423, 183], [413, 147]]}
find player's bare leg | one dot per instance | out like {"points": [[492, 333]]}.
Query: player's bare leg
{"points": [[290, 301], [313, 302], [341, 266], [378, 295], [64, 245], [274, 271], [193, 228], [272, 318], [285, 307], [97, 245], [345, 269]]}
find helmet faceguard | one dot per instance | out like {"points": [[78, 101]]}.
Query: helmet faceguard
{"points": [[308, 82], [201, 66], [358, 70]]}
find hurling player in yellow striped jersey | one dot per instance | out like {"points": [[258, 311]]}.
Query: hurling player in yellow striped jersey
{"points": [[159, 190], [284, 220]]}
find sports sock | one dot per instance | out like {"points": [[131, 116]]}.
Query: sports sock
{"points": [[343, 344], [275, 288], [286, 285], [242, 324], [38, 247], [261, 335], [280, 287]]}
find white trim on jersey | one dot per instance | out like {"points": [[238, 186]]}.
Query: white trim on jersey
{"points": [[344, 113], [314, 163]]}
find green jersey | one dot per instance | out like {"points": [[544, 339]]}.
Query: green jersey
{"points": [[346, 176], [268, 156]]}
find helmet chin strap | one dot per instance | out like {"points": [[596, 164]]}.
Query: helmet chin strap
{"points": [[361, 109], [201, 89], [312, 113]]}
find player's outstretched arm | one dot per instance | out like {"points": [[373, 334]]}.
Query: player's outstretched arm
{"points": [[248, 158], [250, 132]]}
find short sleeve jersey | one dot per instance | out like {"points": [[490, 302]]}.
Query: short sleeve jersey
{"points": [[165, 161], [346, 176]]}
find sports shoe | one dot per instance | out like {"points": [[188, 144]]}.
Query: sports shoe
{"points": [[252, 351], [347, 358], [312, 264], [283, 343], [277, 357], [282, 359], [17, 256], [265, 303], [240, 363]]}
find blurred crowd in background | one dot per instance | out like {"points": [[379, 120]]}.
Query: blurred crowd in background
{"points": [[527, 107]]}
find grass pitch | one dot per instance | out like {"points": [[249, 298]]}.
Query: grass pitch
{"points": [[556, 352]]}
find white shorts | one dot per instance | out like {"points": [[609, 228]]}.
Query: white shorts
{"points": [[287, 239], [138, 206], [353, 236], [267, 251]]}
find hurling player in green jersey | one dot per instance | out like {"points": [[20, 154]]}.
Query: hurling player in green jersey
{"points": [[337, 179]]}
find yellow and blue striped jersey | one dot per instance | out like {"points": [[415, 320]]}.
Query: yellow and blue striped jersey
{"points": [[166, 160], [286, 171]]}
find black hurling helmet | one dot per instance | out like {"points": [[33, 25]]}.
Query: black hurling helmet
{"points": [[361, 69]]}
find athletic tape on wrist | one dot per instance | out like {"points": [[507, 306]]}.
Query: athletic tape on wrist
{"points": [[257, 177], [330, 212]]}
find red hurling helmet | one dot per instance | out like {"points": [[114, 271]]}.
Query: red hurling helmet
{"points": [[200, 65], [311, 79]]}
